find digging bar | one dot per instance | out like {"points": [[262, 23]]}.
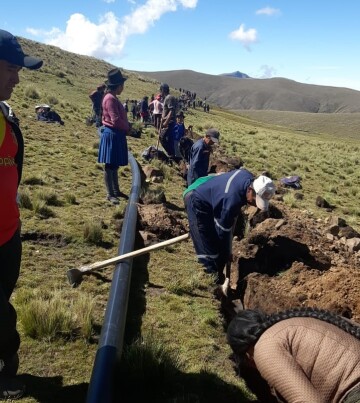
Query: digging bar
{"points": [[75, 275]]}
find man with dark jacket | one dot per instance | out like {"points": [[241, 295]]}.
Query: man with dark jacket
{"points": [[199, 156], [168, 120], [12, 59], [213, 204], [96, 99]]}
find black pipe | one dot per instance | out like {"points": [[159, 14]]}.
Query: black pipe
{"points": [[113, 329]]}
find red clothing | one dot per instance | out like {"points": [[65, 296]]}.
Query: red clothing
{"points": [[9, 211], [114, 114]]}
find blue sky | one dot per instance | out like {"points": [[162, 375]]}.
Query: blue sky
{"points": [[310, 41]]}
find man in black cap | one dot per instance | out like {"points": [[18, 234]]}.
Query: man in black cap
{"points": [[200, 155], [168, 120], [12, 59]]}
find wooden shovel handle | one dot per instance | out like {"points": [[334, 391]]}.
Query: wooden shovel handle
{"points": [[117, 259]]}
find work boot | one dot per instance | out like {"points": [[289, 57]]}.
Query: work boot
{"points": [[11, 388], [115, 185], [109, 187], [9, 366]]}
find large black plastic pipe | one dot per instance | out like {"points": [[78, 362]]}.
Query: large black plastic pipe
{"points": [[113, 329]]}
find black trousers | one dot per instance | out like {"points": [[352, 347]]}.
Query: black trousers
{"points": [[10, 259]]}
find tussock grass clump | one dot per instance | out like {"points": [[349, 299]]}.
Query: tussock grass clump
{"points": [[179, 287], [49, 197], [70, 198], [51, 100], [153, 196], [33, 180], [32, 92], [93, 233], [25, 200], [42, 210], [290, 199], [150, 363], [119, 213], [49, 315]]}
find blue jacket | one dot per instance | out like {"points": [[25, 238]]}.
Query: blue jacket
{"points": [[179, 131], [224, 195], [199, 161]]}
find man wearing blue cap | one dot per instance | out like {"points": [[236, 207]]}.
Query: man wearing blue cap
{"points": [[12, 59]]}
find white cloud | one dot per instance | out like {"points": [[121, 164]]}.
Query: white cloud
{"points": [[109, 1], [245, 37], [106, 39], [268, 11]]}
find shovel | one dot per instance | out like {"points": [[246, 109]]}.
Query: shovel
{"points": [[75, 275]]}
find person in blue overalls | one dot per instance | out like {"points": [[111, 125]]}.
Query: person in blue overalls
{"points": [[200, 155], [213, 204]]}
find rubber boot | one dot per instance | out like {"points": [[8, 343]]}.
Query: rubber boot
{"points": [[115, 184], [109, 187]]}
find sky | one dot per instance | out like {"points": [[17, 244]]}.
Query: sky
{"points": [[309, 41]]}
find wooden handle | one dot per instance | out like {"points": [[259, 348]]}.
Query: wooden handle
{"points": [[117, 259]]}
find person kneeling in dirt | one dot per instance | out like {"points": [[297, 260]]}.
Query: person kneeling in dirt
{"points": [[45, 114], [304, 354], [213, 204]]}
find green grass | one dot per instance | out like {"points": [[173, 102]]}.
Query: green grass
{"points": [[173, 321]]}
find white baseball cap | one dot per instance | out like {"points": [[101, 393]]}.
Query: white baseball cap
{"points": [[265, 189]]}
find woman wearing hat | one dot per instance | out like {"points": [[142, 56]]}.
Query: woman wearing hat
{"points": [[113, 150]]}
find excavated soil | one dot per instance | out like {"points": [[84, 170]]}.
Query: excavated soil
{"points": [[284, 261]]}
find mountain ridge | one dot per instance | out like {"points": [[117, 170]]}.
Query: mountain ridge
{"points": [[279, 94]]}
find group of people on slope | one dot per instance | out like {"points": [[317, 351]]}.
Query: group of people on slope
{"points": [[304, 355]]}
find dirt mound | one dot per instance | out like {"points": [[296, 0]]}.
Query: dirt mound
{"points": [[292, 261], [160, 222]]}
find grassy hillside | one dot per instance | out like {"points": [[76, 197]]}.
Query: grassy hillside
{"points": [[277, 94], [67, 223]]}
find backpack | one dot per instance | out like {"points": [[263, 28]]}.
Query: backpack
{"points": [[185, 145], [291, 181]]}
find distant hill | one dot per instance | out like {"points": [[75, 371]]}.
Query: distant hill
{"points": [[278, 94], [236, 74]]}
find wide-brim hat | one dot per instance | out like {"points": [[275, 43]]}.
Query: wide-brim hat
{"points": [[11, 51], [115, 77]]}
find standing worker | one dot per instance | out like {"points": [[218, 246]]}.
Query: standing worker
{"points": [[12, 59], [113, 150], [213, 204], [168, 120], [200, 155], [96, 99], [304, 354]]}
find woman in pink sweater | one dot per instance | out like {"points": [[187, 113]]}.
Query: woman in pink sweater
{"points": [[113, 150], [305, 355]]}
